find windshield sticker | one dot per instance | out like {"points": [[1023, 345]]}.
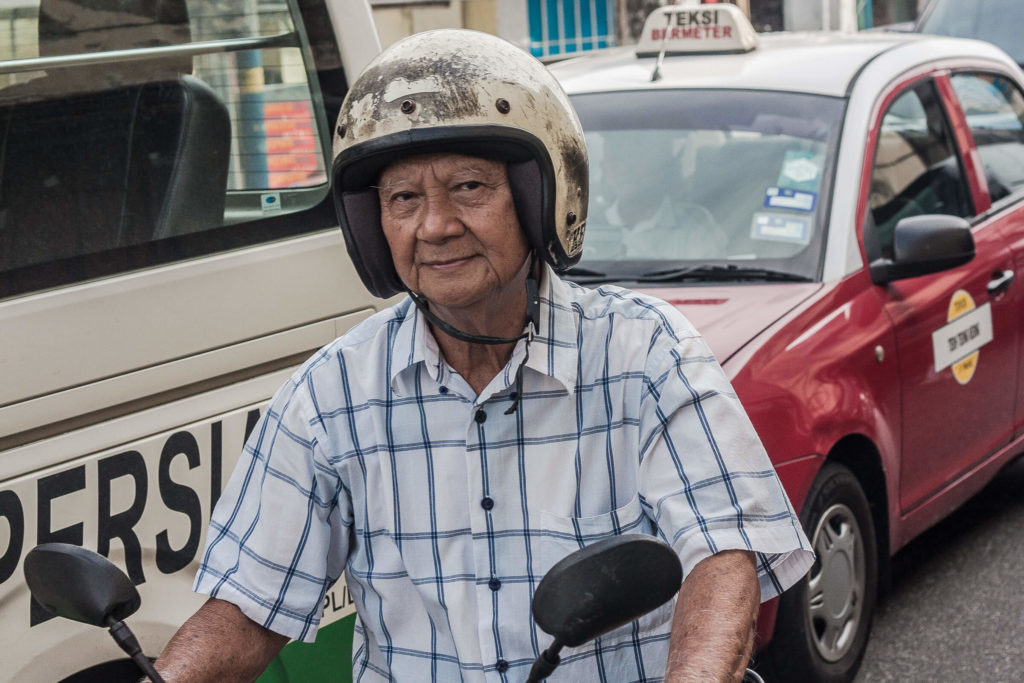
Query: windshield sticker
{"points": [[781, 228], [787, 198], [801, 170], [958, 343]]}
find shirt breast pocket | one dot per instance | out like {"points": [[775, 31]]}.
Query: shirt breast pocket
{"points": [[565, 535]]}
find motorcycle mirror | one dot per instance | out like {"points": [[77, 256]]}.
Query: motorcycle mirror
{"points": [[605, 585], [79, 584]]}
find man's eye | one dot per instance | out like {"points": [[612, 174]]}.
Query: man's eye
{"points": [[470, 185], [402, 196]]}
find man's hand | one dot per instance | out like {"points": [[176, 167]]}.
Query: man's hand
{"points": [[713, 626], [218, 643]]}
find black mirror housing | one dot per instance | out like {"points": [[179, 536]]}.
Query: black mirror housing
{"points": [[923, 245], [605, 585], [79, 584]]}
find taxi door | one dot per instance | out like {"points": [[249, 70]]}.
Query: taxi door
{"points": [[956, 340]]}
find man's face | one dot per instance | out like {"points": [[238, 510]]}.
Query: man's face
{"points": [[452, 228]]}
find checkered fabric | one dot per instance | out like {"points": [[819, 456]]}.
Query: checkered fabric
{"points": [[379, 460]]}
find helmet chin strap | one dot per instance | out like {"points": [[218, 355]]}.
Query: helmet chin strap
{"points": [[532, 318], [532, 314]]}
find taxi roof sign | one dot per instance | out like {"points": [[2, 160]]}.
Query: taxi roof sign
{"points": [[674, 30]]}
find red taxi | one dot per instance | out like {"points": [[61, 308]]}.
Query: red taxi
{"points": [[841, 216]]}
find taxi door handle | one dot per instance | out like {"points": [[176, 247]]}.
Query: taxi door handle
{"points": [[1000, 282]]}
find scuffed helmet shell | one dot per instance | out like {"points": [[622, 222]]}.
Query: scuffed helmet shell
{"points": [[472, 93]]}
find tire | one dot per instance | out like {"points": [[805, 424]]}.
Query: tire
{"points": [[824, 621], [116, 671]]}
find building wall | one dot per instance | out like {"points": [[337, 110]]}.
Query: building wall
{"points": [[508, 18], [398, 21]]}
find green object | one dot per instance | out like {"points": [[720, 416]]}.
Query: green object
{"points": [[328, 659], [865, 14]]}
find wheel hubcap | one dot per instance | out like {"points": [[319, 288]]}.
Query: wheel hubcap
{"points": [[835, 587]]}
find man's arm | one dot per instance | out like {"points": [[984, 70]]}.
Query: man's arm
{"points": [[713, 625], [218, 643]]}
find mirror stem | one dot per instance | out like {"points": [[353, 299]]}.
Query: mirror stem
{"points": [[127, 641], [544, 665]]}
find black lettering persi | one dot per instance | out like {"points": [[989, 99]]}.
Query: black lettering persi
{"points": [[216, 460], [47, 490], [251, 418], [11, 510], [122, 525], [180, 498]]}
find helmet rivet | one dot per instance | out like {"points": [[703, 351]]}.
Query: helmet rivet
{"points": [[408, 106], [503, 106], [340, 130], [571, 218]]}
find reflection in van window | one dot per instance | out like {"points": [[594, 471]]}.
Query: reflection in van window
{"points": [[205, 117]]}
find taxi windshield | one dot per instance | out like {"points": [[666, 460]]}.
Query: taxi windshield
{"points": [[688, 178]]}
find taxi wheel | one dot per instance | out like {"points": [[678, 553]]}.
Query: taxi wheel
{"points": [[824, 620]]}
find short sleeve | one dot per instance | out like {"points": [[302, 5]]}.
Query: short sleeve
{"points": [[278, 536], [704, 473]]}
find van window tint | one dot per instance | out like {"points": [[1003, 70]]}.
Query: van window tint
{"points": [[139, 132], [916, 169], [994, 109]]}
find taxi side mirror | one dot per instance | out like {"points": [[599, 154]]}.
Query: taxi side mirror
{"points": [[923, 245]]}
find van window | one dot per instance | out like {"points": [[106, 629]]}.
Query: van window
{"points": [[139, 132]]}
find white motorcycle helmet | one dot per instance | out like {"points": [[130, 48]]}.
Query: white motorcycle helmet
{"points": [[468, 92]]}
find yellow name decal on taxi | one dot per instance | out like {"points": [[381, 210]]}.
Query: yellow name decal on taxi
{"points": [[958, 343]]}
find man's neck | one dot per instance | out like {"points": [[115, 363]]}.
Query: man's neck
{"points": [[478, 364], [503, 317]]}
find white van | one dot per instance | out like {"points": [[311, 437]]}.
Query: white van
{"points": [[168, 254]]}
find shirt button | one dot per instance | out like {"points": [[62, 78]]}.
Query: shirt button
{"points": [[443, 389], [480, 417], [487, 503], [501, 665], [494, 584]]}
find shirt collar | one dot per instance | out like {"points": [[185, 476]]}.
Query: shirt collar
{"points": [[553, 352]]}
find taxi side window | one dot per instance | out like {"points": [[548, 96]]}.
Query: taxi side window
{"points": [[994, 108], [916, 168], [140, 132]]}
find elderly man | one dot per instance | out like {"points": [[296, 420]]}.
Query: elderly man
{"points": [[448, 451]]}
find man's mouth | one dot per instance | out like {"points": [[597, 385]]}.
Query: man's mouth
{"points": [[446, 263]]}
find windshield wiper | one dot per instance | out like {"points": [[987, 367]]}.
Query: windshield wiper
{"points": [[720, 273], [586, 276]]}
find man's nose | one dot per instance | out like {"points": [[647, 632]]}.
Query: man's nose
{"points": [[440, 218]]}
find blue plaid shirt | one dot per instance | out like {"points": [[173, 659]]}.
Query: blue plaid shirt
{"points": [[379, 460]]}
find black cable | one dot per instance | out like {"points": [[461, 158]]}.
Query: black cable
{"points": [[127, 641]]}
